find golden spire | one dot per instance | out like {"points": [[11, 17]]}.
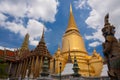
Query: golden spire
{"points": [[72, 34], [42, 38], [70, 8], [25, 43], [71, 24], [94, 52], [58, 52], [58, 47]]}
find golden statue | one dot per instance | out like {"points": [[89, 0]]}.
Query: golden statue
{"points": [[89, 65]]}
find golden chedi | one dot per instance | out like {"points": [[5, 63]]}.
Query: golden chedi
{"points": [[72, 40]]}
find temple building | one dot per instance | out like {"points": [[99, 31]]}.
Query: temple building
{"points": [[24, 62], [89, 65]]}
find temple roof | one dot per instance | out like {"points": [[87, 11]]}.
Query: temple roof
{"points": [[7, 55], [41, 48], [25, 43], [42, 38], [71, 24]]}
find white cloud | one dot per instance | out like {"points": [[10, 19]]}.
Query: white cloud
{"points": [[81, 4], [3, 48], [2, 18], [95, 36], [35, 30], [95, 19], [33, 42], [94, 44], [34, 10], [15, 8], [44, 9], [16, 28], [37, 9]]}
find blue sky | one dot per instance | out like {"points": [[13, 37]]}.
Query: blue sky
{"points": [[19, 17]]}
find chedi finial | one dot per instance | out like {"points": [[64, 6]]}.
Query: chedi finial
{"points": [[42, 37], [70, 7]]}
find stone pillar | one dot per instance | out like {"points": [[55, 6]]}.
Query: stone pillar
{"points": [[15, 69], [25, 69], [32, 67], [19, 69], [37, 67], [29, 66], [9, 70], [22, 69], [41, 62]]}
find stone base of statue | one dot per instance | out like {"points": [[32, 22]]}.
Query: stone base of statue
{"points": [[76, 75], [44, 74], [114, 71]]}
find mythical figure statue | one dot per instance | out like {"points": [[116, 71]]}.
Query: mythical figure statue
{"points": [[111, 50]]}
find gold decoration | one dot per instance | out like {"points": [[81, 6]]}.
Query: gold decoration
{"points": [[77, 47]]}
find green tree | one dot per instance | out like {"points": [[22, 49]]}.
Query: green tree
{"points": [[3, 70]]}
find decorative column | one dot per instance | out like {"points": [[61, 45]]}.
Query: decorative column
{"points": [[23, 66], [41, 63], [54, 65], [37, 67], [29, 66], [9, 70], [17, 73], [15, 70], [24, 71], [19, 69], [32, 68], [26, 65], [60, 69]]}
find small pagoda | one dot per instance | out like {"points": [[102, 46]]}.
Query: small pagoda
{"points": [[75, 68], [45, 68]]}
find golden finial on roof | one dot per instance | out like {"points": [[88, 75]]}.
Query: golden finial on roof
{"points": [[70, 8], [94, 51], [42, 38], [71, 23], [95, 54], [58, 47]]}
